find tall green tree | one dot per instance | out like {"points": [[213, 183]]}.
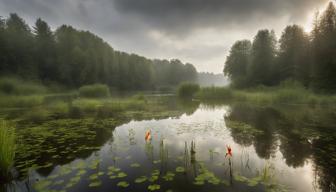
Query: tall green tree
{"points": [[263, 52], [324, 46], [20, 42], [236, 63], [45, 51], [294, 59], [3, 47]]}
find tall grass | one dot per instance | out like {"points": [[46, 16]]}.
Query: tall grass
{"points": [[15, 101], [286, 93], [187, 90], [7, 148], [215, 93], [94, 91]]}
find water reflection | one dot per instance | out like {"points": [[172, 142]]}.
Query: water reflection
{"points": [[281, 147], [302, 135]]}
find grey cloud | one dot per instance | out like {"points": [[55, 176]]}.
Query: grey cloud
{"points": [[180, 16], [127, 24]]}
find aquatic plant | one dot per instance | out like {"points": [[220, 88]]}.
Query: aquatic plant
{"points": [[94, 91], [228, 151], [7, 148], [154, 187], [187, 90], [123, 184]]}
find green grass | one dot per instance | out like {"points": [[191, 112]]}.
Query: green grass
{"points": [[94, 91], [15, 86], [7, 148], [14, 101], [286, 93], [214, 93]]}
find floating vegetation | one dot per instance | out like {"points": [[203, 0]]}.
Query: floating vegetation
{"points": [[206, 176], [121, 175], [180, 169], [135, 165], [169, 176], [123, 184], [154, 187], [154, 176], [141, 179], [94, 176], [42, 185], [95, 183], [243, 128]]}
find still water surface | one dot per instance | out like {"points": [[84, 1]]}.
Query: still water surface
{"points": [[273, 149]]}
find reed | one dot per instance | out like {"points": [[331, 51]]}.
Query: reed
{"points": [[7, 148]]}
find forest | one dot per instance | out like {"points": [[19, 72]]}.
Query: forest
{"points": [[307, 58], [72, 58]]}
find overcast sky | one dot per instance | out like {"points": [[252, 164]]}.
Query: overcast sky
{"points": [[195, 31]]}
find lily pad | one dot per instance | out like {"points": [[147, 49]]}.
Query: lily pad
{"points": [[141, 179], [123, 184], [95, 184], [180, 169], [135, 165], [154, 187]]}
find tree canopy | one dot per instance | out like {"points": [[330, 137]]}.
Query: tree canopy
{"points": [[307, 58], [73, 58]]}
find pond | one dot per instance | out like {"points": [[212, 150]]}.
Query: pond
{"points": [[274, 148]]}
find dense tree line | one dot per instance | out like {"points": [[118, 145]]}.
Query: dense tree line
{"points": [[307, 58], [73, 58]]}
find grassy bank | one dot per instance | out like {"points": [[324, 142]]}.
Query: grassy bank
{"points": [[7, 148], [283, 94]]}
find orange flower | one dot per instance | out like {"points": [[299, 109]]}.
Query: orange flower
{"points": [[148, 135], [228, 151]]}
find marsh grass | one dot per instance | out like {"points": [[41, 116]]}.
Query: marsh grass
{"points": [[215, 93], [187, 90], [286, 93], [94, 91], [7, 148], [20, 101]]}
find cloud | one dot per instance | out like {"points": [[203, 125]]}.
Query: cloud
{"points": [[196, 31]]}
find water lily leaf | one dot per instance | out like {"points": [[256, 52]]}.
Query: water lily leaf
{"points": [[123, 184], [154, 187], [141, 179], [121, 175], [135, 165], [42, 185], [180, 169], [95, 184], [153, 178]]}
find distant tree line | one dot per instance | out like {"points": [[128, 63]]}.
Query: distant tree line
{"points": [[73, 58], [306, 58]]}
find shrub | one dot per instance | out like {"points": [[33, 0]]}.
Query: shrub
{"points": [[94, 91], [86, 105], [15, 86], [7, 148], [187, 90]]}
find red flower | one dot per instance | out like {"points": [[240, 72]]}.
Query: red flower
{"points": [[228, 151]]}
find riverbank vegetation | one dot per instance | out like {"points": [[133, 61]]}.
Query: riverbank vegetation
{"points": [[7, 149], [286, 93]]}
